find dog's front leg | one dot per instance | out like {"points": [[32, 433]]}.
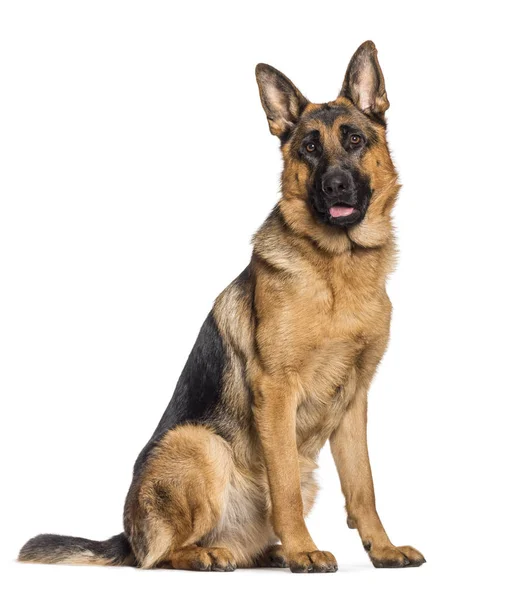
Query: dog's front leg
{"points": [[275, 415], [350, 451]]}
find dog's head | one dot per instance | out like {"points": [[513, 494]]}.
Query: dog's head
{"points": [[338, 177]]}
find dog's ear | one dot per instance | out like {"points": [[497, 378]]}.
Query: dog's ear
{"points": [[364, 83], [283, 103]]}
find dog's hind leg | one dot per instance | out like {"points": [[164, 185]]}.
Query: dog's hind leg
{"points": [[178, 499]]}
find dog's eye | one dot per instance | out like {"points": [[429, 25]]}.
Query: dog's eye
{"points": [[355, 139], [311, 147]]}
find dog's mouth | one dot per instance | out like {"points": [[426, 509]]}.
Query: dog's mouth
{"points": [[346, 212], [343, 214], [341, 210]]}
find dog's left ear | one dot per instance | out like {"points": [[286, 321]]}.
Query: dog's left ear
{"points": [[283, 103], [364, 83]]}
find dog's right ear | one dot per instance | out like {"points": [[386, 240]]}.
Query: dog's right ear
{"points": [[283, 103]]}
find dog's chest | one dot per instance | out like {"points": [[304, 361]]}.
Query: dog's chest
{"points": [[348, 319], [328, 386]]}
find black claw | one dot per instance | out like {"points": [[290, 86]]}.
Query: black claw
{"points": [[417, 563], [378, 564]]}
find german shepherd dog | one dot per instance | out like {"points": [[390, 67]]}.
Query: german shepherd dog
{"points": [[282, 364]]}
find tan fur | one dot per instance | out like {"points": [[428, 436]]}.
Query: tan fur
{"points": [[181, 492]]}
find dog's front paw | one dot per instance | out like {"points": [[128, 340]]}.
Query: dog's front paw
{"points": [[392, 557], [316, 561]]}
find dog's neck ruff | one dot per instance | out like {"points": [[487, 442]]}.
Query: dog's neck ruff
{"points": [[375, 231]]}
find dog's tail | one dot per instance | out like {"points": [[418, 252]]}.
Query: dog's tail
{"points": [[56, 549]]}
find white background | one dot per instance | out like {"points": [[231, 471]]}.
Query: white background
{"points": [[135, 165]]}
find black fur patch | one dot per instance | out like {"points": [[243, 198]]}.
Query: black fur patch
{"points": [[199, 388], [328, 114]]}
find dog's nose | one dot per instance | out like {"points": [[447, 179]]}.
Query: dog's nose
{"points": [[336, 183]]}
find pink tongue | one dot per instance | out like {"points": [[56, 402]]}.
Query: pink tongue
{"points": [[341, 211]]}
